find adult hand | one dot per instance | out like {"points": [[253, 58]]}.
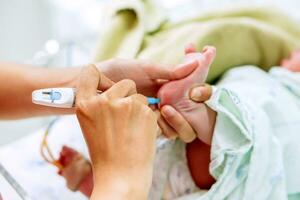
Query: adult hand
{"points": [[148, 76], [120, 132]]}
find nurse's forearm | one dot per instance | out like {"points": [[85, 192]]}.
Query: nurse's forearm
{"points": [[17, 83]]}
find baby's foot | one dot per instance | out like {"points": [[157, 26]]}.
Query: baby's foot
{"points": [[176, 93], [292, 63], [76, 170]]}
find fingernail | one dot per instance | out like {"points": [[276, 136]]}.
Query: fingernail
{"points": [[168, 110], [196, 94]]}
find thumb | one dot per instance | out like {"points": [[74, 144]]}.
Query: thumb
{"points": [[105, 83], [201, 93]]}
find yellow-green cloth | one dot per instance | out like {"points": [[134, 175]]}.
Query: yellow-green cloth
{"points": [[259, 36]]}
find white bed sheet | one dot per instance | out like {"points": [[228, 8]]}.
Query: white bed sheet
{"points": [[39, 179]]}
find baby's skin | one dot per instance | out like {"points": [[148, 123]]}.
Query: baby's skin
{"points": [[77, 170], [176, 94], [198, 115], [293, 62]]}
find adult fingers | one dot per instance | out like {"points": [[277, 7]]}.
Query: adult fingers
{"points": [[104, 82], [178, 123], [121, 89], [167, 130], [139, 98], [157, 71], [200, 93], [88, 83], [160, 71], [184, 69], [165, 72]]}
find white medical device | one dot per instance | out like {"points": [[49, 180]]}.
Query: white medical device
{"points": [[64, 97], [55, 97]]}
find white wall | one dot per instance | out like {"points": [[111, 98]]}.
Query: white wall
{"points": [[24, 26]]}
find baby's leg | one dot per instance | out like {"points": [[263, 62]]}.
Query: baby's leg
{"points": [[198, 158], [175, 93]]}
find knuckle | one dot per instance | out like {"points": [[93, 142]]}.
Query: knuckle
{"points": [[111, 104], [125, 106], [81, 107], [129, 83], [139, 99], [103, 101], [91, 68], [129, 103], [139, 96]]}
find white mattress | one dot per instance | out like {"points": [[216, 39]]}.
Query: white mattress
{"points": [[23, 161]]}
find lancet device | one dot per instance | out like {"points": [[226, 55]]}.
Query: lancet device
{"points": [[64, 97]]}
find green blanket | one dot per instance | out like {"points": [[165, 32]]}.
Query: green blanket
{"points": [[256, 36]]}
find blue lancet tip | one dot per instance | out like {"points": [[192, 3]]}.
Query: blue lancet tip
{"points": [[152, 100]]}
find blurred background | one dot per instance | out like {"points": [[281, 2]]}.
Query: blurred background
{"points": [[59, 33]]}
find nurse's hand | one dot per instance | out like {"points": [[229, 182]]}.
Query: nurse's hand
{"points": [[147, 75], [120, 131]]}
